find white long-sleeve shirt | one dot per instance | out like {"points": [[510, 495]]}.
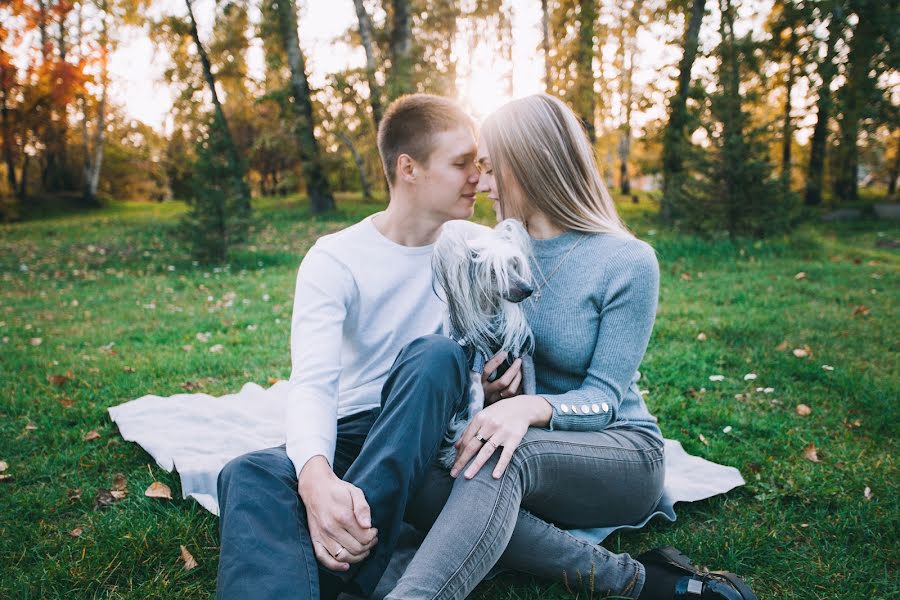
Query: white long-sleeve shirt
{"points": [[359, 299]]}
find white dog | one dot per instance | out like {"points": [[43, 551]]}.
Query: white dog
{"points": [[484, 274]]}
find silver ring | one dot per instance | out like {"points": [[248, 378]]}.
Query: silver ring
{"points": [[480, 439], [339, 552]]}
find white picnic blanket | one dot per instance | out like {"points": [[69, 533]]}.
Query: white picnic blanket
{"points": [[198, 433]]}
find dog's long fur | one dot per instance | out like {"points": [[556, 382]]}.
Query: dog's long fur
{"points": [[484, 275]]}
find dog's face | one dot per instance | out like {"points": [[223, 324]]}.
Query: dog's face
{"points": [[488, 266]]}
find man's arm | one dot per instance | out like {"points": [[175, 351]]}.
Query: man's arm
{"points": [[337, 511]]}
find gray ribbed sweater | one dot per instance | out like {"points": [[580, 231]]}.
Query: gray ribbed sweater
{"points": [[591, 325]]}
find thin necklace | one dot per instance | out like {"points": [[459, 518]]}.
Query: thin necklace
{"points": [[536, 296]]}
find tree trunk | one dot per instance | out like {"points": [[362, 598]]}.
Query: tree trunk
{"points": [[400, 79], [787, 132], [545, 41], [585, 101], [320, 198], [360, 165], [93, 145], [233, 157], [625, 141], [895, 170], [815, 172], [8, 157], [863, 47], [365, 33], [675, 136]]}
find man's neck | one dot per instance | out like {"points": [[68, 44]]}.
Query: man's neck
{"points": [[404, 225]]}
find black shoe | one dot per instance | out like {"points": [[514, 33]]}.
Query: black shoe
{"points": [[694, 584]]}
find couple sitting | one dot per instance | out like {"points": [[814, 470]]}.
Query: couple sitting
{"points": [[372, 387]]}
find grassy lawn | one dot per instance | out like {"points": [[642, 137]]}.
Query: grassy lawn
{"points": [[108, 301]]}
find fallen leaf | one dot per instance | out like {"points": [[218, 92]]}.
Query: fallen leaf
{"points": [[29, 426], [716, 377], [810, 453], [73, 493], [91, 435], [36, 341], [3, 465], [118, 494], [828, 367], [783, 346], [76, 532], [119, 481], [273, 380], [251, 327], [189, 562], [187, 347], [66, 402], [803, 352], [749, 376], [58, 379], [158, 489], [103, 498], [800, 275], [867, 493], [768, 390], [803, 410], [862, 309], [216, 348], [727, 429], [701, 337], [5, 477], [203, 336], [128, 369], [703, 439]]}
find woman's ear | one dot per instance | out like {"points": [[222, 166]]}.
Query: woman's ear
{"points": [[406, 168]]}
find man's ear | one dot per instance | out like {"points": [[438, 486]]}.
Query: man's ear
{"points": [[407, 168]]}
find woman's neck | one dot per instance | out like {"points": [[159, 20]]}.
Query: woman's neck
{"points": [[542, 228]]}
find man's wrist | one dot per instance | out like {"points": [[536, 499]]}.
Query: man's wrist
{"points": [[314, 471]]}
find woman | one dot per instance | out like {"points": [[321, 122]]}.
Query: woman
{"points": [[584, 451]]}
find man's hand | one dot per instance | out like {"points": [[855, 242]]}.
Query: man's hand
{"points": [[506, 386], [340, 523]]}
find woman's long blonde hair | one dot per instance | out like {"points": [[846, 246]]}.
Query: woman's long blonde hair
{"points": [[540, 143]]}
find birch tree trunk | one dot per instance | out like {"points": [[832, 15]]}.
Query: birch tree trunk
{"points": [[400, 79], [320, 198], [365, 33], [545, 42]]}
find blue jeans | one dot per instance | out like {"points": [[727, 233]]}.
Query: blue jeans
{"points": [[265, 547]]}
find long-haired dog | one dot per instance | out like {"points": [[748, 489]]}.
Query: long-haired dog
{"points": [[484, 274]]}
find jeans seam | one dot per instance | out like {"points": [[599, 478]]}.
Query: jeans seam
{"points": [[642, 451]]}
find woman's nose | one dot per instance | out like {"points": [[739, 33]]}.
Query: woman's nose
{"points": [[484, 184]]}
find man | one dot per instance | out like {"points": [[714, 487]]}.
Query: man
{"points": [[323, 513]]}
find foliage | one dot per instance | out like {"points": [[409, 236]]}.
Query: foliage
{"points": [[219, 213]]}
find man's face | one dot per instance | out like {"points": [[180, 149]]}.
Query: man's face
{"points": [[446, 187]]}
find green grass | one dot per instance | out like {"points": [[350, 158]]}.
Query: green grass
{"points": [[798, 529]]}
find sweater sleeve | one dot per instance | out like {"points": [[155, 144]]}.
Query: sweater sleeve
{"points": [[324, 291], [629, 295]]}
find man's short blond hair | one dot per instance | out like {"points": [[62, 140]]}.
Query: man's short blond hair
{"points": [[410, 124]]}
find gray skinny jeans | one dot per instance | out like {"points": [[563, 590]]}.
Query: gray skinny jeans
{"points": [[573, 479]]}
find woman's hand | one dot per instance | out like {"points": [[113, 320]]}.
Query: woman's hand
{"points": [[502, 424], [506, 386]]}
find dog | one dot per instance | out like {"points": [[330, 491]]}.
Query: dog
{"points": [[484, 275]]}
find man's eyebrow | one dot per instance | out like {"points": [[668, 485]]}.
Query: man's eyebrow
{"points": [[465, 155]]}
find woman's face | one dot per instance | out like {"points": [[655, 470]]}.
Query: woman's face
{"points": [[487, 183]]}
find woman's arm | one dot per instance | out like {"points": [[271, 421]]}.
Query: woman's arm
{"points": [[627, 312]]}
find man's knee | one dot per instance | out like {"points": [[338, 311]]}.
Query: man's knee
{"points": [[436, 354], [250, 471]]}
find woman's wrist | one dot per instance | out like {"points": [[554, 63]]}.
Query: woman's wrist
{"points": [[542, 411]]}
